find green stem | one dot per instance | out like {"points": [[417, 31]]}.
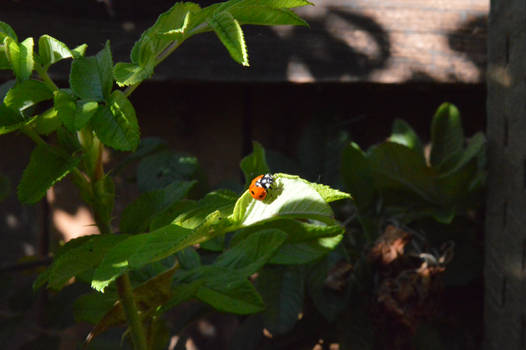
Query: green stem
{"points": [[162, 56], [45, 77], [33, 135], [132, 314]]}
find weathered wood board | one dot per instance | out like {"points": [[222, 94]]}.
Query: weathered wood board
{"points": [[385, 41]]}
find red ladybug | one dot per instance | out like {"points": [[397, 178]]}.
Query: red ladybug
{"points": [[260, 185]]}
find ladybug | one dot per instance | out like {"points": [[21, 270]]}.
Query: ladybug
{"points": [[259, 186]]}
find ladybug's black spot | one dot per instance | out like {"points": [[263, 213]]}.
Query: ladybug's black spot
{"points": [[252, 192], [261, 195]]}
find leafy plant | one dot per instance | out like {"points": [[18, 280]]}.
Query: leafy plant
{"points": [[152, 265], [395, 179]]}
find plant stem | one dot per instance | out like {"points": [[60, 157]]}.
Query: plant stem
{"points": [[132, 314], [33, 135], [45, 77]]}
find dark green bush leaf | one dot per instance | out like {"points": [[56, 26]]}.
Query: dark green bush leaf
{"points": [[116, 124], [141, 249], [80, 256], [283, 293], [305, 252], [188, 258], [249, 255], [92, 307], [357, 175], [329, 303], [399, 169], [225, 289], [66, 108], [47, 122], [161, 169], [91, 77], [404, 134], [137, 216], [45, 168], [447, 137], [85, 110]]}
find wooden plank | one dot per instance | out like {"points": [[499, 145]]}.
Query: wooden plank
{"points": [[360, 40], [505, 236]]}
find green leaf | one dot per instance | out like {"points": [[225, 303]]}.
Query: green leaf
{"points": [[137, 216], [255, 163], [116, 124], [476, 146], [305, 252], [79, 256], [79, 51], [224, 289], [92, 307], [181, 293], [168, 215], [404, 134], [105, 68], [10, 120], [397, 168], [6, 30], [456, 185], [47, 122], [151, 43], [263, 15], [329, 194], [188, 258], [84, 111], [51, 50], [66, 108], [297, 231], [45, 168], [357, 176], [26, 94], [126, 74], [142, 249], [283, 294], [91, 77], [274, 3], [252, 253], [20, 57], [229, 32], [148, 297], [290, 196], [221, 200], [179, 26], [329, 303], [162, 168], [447, 137]]}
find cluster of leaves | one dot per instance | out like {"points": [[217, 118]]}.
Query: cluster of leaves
{"points": [[90, 111], [396, 180], [293, 227]]}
